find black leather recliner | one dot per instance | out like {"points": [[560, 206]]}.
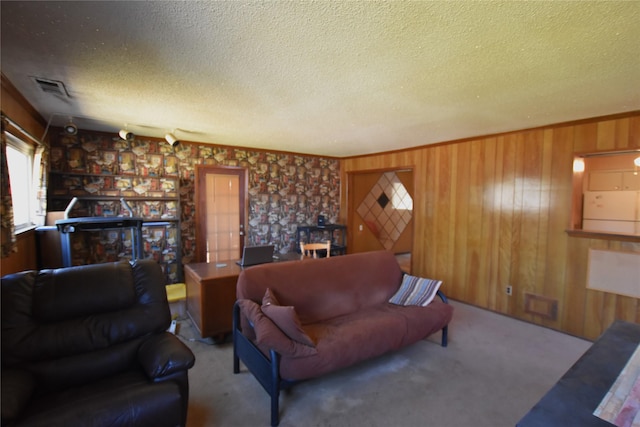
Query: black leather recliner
{"points": [[87, 346]]}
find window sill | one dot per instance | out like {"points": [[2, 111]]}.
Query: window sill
{"points": [[603, 235], [26, 229]]}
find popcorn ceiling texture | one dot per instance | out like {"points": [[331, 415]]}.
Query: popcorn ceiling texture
{"points": [[329, 78]]}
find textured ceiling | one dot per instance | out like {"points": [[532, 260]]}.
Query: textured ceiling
{"points": [[327, 78]]}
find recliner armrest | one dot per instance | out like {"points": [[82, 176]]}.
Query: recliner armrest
{"points": [[164, 354], [17, 388]]}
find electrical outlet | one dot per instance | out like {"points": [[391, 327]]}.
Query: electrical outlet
{"points": [[509, 290]]}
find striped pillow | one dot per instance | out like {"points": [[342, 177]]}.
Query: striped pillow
{"points": [[415, 291]]}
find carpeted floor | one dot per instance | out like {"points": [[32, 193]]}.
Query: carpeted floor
{"points": [[493, 371]]}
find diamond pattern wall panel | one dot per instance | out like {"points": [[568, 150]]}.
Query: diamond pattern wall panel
{"points": [[387, 209]]}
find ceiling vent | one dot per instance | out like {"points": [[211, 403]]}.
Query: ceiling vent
{"points": [[54, 87]]}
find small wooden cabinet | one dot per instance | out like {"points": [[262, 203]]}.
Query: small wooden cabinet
{"points": [[614, 181], [211, 293], [631, 180], [605, 181]]}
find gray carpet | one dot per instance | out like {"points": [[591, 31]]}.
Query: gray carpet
{"points": [[493, 371]]}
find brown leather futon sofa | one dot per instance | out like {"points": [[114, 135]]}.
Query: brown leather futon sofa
{"points": [[301, 319]]}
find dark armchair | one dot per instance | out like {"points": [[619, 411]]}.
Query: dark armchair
{"points": [[87, 346]]}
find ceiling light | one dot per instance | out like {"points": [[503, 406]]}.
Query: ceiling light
{"points": [[172, 139], [126, 135], [70, 128]]}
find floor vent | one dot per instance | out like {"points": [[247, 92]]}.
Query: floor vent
{"points": [[54, 87], [541, 306]]}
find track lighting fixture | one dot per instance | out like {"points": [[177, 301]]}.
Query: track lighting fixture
{"points": [[172, 140], [70, 128], [126, 135]]}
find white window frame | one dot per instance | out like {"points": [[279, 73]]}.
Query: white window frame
{"points": [[28, 150]]}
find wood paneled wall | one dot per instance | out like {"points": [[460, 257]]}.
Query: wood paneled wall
{"points": [[26, 257], [16, 107], [491, 212]]}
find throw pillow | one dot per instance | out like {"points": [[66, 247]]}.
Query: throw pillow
{"points": [[415, 291], [269, 335], [286, 318]]}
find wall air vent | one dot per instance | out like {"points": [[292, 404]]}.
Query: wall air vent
{"points": [[541, 305], [54, 87]]}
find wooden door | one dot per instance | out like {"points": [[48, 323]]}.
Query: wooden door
{"points": [[380, 215], [220, 212]]}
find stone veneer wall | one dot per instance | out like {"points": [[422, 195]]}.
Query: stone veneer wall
{"points": [[285, 189]]}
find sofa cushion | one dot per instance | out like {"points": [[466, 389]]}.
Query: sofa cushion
{"points": [[415, 291], [345, 340], [285, 317], [269, 336], [423, 321], [316, 287]]}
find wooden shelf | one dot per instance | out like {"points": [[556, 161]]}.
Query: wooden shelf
{"points": [[114, 198], [604, 236]]}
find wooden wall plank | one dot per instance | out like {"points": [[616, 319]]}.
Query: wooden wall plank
{"points": [[475, 286], [626, 308], [493, 172], [443, 186], [521, 242], [560, 201], [452, 263], [424, 205], [585, 138], [607, 135], [621, 138], [505, 208], [544, 263], [25, 257], [459, 276], [633, 140], [573, 312]]}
